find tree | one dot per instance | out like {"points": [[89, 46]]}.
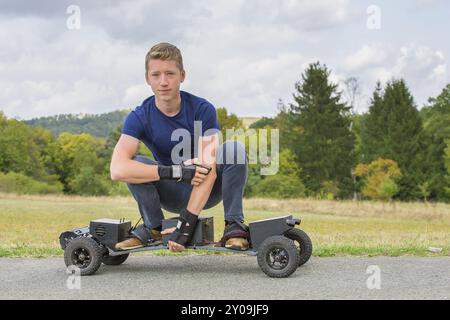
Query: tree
{"points": [[379, 178], [286, 183], [352, 90], [228, 121], [18, 150], [447, 156], [88, 182], [97, 125], [264, 122], [73, 152], [387, 189], [424, 189], [403, 124], [392, 130], [447, 165], [280, 187], [317, 128], [357, 123], [436, 131]]}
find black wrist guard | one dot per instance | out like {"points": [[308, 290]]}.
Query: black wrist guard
{"points": [[179, 172], [165, 172], [185, 228]]}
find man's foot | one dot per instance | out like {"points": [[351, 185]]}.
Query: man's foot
{"points": [[237, 244], [235, 236], [134, 243], [129, 244], [156, 235]]}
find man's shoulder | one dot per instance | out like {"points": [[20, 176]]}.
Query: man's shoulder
{"points": [[143, 109], [195, 101]]}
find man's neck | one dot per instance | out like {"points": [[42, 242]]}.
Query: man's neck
{"points": [[170, 107]]}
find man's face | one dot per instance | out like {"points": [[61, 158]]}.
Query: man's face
{"points": [[164, 78]]}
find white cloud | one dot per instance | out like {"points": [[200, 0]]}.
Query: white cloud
{"points": [[241, 54], [424, 69], [367, 56]]}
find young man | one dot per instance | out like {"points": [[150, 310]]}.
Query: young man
{"points": [[186, 187]]}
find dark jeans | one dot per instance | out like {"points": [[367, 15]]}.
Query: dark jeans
{"points": [[173, 196]]}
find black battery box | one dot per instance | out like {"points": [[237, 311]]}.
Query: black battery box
{"points": [[109, 231]]}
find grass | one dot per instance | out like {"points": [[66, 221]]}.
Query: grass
{"points": [[30, 225]]}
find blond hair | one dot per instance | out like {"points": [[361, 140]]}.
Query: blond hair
{"points": [[164, 51]]}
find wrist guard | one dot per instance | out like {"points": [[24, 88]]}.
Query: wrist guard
{"points": [[179, 172], [185, 228]]}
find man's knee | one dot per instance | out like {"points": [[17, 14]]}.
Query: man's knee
{"points": [[232, 152]]}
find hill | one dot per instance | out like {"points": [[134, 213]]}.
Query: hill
{"points": [[98, 125]]}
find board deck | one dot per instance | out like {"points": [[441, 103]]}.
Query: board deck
{"points": [[160, 246]]}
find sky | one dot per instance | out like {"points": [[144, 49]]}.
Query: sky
{"points": [[59, 57]]}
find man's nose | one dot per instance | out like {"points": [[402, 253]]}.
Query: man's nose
{"points": [[163, 81]]}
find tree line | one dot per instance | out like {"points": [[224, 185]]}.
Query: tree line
{"points": [[97, 125], [392, 151]]}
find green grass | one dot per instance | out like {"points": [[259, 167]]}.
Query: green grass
{"points": [[30, 225]]}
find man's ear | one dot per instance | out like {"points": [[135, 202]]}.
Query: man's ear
{"points": [[146, 78], [183, 75]]}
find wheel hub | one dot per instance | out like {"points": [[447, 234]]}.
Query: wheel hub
{"points": [[278, 258], [81, 258]]}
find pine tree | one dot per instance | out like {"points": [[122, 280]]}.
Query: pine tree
{"points": [[317, 129], [403, 125], [436, 131], [373, 128], [392, 130]]}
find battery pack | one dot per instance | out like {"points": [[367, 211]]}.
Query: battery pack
{"points": [[109, 231]]}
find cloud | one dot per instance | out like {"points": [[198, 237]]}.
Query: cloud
{"points": [[367, 56], [65, 71], [237, 53], [241, 54], [303, 14], [423, 68], [254, 87]]}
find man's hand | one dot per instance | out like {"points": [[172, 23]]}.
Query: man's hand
{"points": [[173, 246], [200, 173]]}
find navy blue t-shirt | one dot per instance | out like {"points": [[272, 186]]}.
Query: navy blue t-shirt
{"points": [[148, 124]]}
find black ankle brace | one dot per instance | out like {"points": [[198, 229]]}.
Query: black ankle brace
{"points": [[142, 233], [185, 228]]}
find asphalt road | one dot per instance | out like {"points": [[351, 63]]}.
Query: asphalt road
{"points": [[234, 277]]}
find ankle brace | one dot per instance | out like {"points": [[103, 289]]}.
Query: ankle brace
{"points": [[142, 233], [185, 228]]}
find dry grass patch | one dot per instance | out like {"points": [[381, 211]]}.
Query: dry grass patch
{"points": [[30, 225]]}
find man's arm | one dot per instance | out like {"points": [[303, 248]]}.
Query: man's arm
{"points": [[207, 156], [200, 192], [124, 168]]}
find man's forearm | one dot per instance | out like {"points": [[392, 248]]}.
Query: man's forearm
{"points": [[135, 172], [201, 193]]}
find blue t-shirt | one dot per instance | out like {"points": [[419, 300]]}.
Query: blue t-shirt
{"points": [[148, 124]]}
